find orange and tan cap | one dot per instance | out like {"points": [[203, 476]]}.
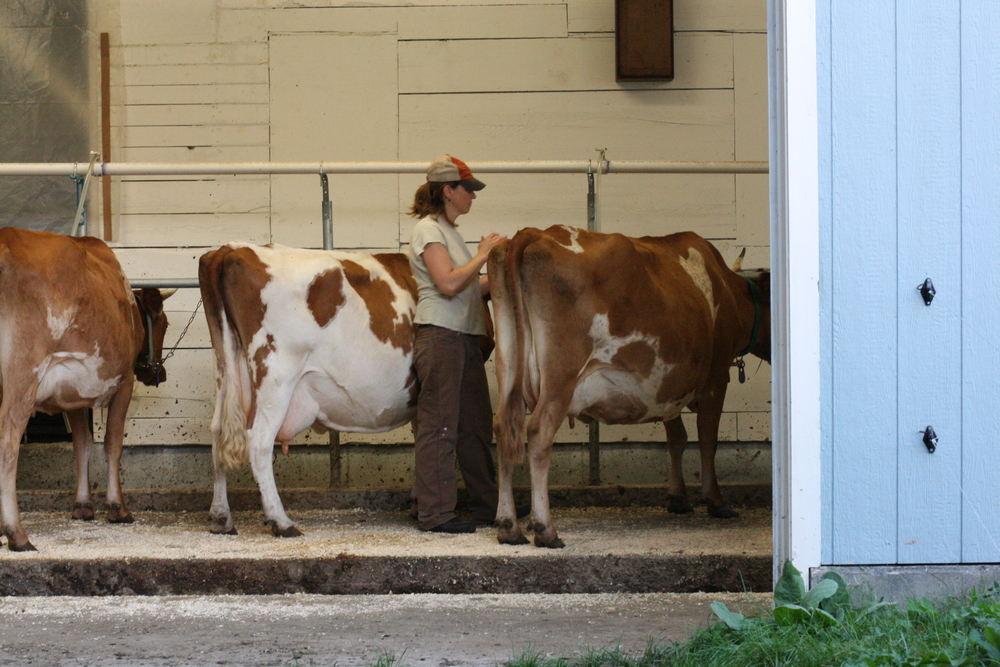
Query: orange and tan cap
{"points": [[448, 169]]}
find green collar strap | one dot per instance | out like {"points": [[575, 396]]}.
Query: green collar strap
{"points": [[755, 295]]}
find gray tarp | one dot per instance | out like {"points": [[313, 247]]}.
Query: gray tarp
{"points": [[44, 107]]}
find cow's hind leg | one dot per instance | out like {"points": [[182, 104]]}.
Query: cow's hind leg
{"points": [[11, 428], [261, 451], [541, 431], [219, 516], [677, 498], [83, 443], [508, 528], [709, 413], [114, 435]]}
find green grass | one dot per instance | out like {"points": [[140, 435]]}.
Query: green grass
{"points": [[955, 632], [818, 628]]}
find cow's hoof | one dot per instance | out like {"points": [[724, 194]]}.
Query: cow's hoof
{"points": [[679, 505], [722, 511], [509, 532], [118, 514], [222, 529], [554, 543], [22, 546], [291, 531], [83, 512]]}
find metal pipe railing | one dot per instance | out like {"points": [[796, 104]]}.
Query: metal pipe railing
{"points": [[589, 167], [243, 168]]}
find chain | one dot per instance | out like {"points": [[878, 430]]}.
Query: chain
{"points": [[184, 332]]}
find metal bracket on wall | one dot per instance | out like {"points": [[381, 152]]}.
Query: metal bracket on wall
{"points": [[927, 291], [930, 439]]}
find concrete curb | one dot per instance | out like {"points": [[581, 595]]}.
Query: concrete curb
{"points": [[194, 500], [352, 575]]}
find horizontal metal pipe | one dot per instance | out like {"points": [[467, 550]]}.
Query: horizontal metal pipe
{"points": [[234, 168], [163, 283], [632, 167]]}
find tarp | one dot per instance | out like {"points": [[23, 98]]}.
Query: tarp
{"points": [[45, 113]]}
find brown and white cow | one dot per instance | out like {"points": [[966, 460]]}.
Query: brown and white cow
{"points": [[72, 336], [621, 330], [302, 338]]}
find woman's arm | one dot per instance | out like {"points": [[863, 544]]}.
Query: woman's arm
{"points": [[451, 280]]}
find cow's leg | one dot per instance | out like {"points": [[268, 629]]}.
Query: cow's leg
{"points": [[114, 435], [508, 528], [709, 413], [261, 453], [12, 426], [219, 516], [677, 498], [541, 432], [221, 520], [83, 443]]}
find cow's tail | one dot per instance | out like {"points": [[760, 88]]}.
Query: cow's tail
{"points": [[513, 337], [230, 440]]}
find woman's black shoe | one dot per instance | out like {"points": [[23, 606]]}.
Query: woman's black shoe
{"points": [[454, 525]]}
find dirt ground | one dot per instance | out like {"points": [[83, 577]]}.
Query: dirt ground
{"points": [[128, 607], [301, 630]]}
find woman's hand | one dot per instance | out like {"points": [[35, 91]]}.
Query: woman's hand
{"points": [[487, 242]]}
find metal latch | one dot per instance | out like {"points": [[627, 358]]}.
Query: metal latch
{"points": [[930, 439], [927, 291]]}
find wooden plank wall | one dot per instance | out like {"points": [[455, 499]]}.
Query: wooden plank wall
{"points": [[258, 80], [908, 170]]}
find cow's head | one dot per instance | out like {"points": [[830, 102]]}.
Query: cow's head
{"points": [[149, 364], [759, 283]]}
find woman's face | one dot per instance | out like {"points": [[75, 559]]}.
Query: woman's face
{"points": [[458, 201]]}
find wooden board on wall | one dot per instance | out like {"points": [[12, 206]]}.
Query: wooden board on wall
{"points": [[321, 110], [704, 60]]}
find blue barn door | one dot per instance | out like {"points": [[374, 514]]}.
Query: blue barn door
{"points": [[910, 145]]}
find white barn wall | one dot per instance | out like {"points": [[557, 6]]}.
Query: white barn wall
{"points": [[259, 80]]}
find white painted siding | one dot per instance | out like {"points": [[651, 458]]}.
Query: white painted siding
{"points": [[258, 80]]}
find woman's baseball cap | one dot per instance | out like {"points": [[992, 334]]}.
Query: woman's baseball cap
{"points": [[448, 169]]}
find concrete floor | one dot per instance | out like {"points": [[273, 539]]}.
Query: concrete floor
{"points": [[365, 583]]}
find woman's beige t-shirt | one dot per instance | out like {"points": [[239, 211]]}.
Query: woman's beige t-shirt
{"points": [[462, 312]]}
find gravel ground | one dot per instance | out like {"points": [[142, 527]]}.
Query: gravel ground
{"points": [[586, 531], [300, 630]]}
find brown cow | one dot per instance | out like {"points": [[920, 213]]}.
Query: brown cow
{"points": [[620, 330], [72, 336]]}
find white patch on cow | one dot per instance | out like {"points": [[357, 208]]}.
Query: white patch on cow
{"points": [[66, 373], [615, 392], [59, 323], [694, 264], [341, 375], [574, 244]]}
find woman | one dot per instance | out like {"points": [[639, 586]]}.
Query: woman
{"points": [[454, 415]]}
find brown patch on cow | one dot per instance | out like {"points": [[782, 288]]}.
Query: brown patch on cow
{"points": [[636, 357], [561, 235], [244, 306], [378, 297], [398, 266], [326, 296], [258, 369]]}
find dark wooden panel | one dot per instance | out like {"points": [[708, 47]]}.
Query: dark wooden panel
{"points": [[644, 40]]}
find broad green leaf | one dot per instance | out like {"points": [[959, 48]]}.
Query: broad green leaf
{"points": [[790, 614], [839, 601], [790, 588], [732, 619], [818, 593], [824, 618]]}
